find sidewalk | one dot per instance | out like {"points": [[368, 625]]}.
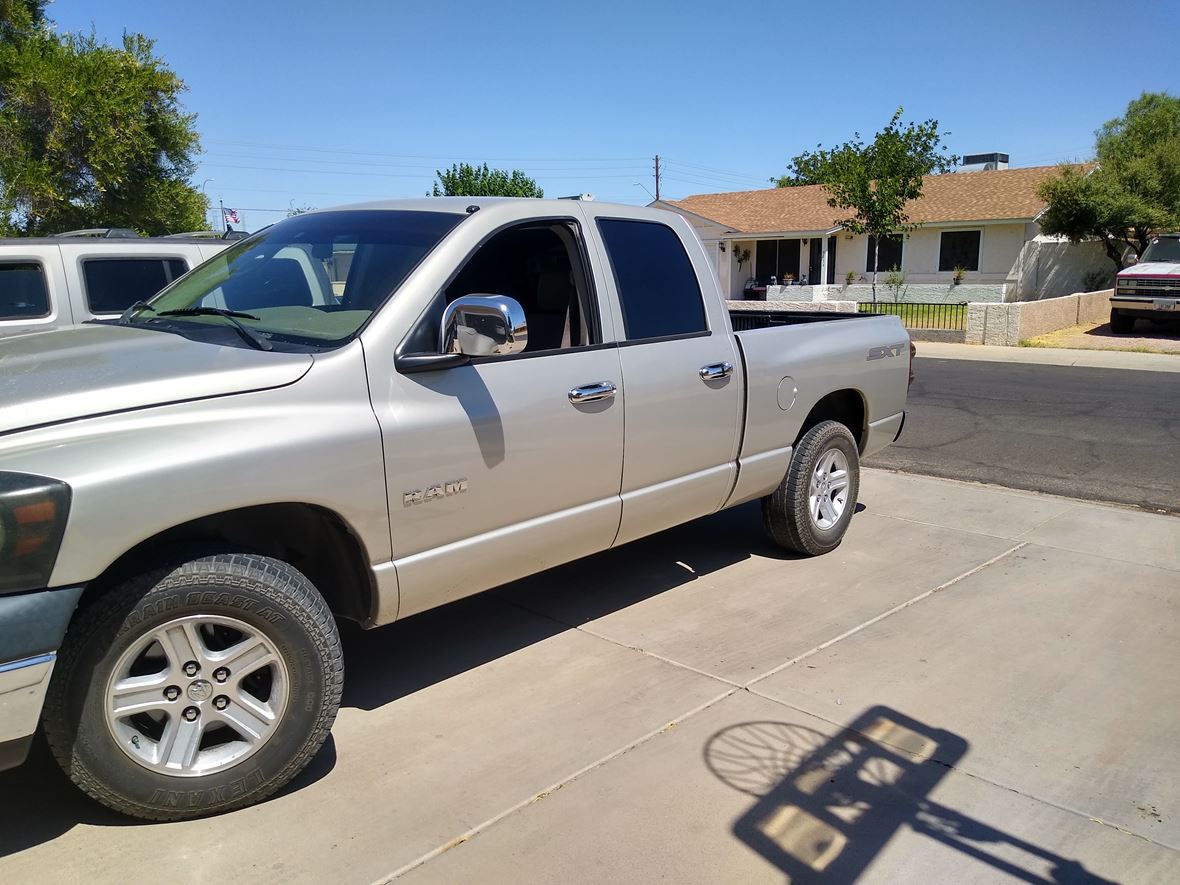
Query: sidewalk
{"points": [[977, 684], [1098, 359]]}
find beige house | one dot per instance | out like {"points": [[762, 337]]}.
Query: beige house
{"points": [[983, 222]]}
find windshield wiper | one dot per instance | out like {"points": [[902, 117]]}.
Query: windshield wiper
{"points": [[232, 315], [125, 316]]}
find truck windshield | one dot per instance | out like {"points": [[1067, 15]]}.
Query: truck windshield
{"points": [[1163, 249], [309, 280]]}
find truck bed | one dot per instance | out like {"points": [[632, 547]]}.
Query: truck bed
{"points": [[745, 320]]}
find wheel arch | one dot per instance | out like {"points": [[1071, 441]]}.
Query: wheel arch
{"points": [[313, 539], [848, 407]]}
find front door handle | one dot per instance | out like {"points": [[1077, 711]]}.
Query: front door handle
{"points": [[716, 371], [592, 393]]}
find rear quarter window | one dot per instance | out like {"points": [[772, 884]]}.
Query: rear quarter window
{"points": [[114, 284], [658, 288], [23, 292]]}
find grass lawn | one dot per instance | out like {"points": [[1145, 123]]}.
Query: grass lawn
{"points": [[922, 316]]}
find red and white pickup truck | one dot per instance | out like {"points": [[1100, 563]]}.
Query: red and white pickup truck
{"points": [[1149, 289]]}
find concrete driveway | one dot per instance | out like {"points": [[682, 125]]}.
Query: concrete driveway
{"points": [[978, 685]]}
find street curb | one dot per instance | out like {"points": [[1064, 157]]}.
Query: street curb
{"points": [[1093, 359]]}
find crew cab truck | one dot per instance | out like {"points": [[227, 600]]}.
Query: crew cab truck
{"points": [[191, 495], [1150, 289]]}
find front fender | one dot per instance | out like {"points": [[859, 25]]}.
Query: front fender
{"points": [[135, 474]]}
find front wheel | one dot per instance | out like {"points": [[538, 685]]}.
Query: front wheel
{"points": [[1120, 323], [810, 510], [195, 689]]}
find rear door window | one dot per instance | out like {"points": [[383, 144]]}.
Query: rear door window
{"points": [[114, 284], [23, 293], [658, 288]]}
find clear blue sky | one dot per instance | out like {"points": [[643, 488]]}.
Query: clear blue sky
{"points": [[325, 103]]}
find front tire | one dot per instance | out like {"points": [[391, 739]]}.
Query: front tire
{"points": [[1120, 323], [810, 510], [196, 689]]}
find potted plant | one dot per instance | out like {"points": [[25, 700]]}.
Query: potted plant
{"points": [[849, 277], [960, 272], [788, 279]]}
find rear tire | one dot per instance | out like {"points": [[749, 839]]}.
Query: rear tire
{"points": [[1120, 323], [810, 510], [195, 689]]}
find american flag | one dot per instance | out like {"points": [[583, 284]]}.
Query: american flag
{"points": [[231, 216]]}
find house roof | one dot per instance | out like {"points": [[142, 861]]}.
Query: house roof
{"points": [[996, 195]]}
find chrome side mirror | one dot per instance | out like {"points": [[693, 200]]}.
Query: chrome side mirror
{"points": [[484, 325]]}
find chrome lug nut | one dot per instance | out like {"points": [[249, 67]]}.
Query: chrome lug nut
{"points": [[221, 674], [172, 692], [221, 702], [190, 714], [192, 668]]}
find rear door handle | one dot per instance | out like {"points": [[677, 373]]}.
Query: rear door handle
{"points": [[716, 371], [592, 393]]}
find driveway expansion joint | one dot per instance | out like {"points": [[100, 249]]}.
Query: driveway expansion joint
{"points": [[899, 607], [552, 788]]}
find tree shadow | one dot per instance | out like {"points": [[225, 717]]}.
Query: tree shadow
{"points": [[826, 806], [1142, 329]]}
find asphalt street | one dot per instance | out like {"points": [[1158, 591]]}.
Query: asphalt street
{"points": [[1098, 434]]}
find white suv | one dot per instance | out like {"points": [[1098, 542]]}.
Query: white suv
{"points": [[1149, 289], [51, 282]]}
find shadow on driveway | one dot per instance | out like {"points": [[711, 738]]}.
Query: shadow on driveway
{"points": [[826, 807], [391, 662]]}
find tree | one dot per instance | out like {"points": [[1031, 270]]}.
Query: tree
{"points": [[91, 135], [465, 180], [19, 17], [299, 210], [1132, 192], [875, 182]]}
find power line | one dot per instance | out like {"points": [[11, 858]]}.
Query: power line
{"points": [[727, 173], [396, 174], [629, 168], [433, 157]]}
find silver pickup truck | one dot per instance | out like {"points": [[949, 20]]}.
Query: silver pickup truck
{"points": [[471, 391]]}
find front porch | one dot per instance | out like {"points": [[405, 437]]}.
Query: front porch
{"points": [[797, 258]]}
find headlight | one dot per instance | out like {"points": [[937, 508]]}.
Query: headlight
{"points": [[33, 511]]}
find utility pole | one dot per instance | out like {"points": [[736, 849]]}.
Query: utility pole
{"points": [[221, 204], [657, 176]]}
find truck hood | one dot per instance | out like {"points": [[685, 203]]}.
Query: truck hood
{"points": [[1152, 269], [50, 377]]}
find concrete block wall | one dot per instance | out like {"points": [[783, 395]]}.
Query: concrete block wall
{"points": [[1009, 324], [928, 293], [837, 306]]}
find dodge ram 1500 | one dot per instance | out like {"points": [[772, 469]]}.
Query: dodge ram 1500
{"points": [[463, 392]]}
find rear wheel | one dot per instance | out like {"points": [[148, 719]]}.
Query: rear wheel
{"points": [[1120, 323], [196, 689], [810, 510]]}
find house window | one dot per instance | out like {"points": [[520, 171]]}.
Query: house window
{"points": [[776, 258], [959, 248], [889, 256]]}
